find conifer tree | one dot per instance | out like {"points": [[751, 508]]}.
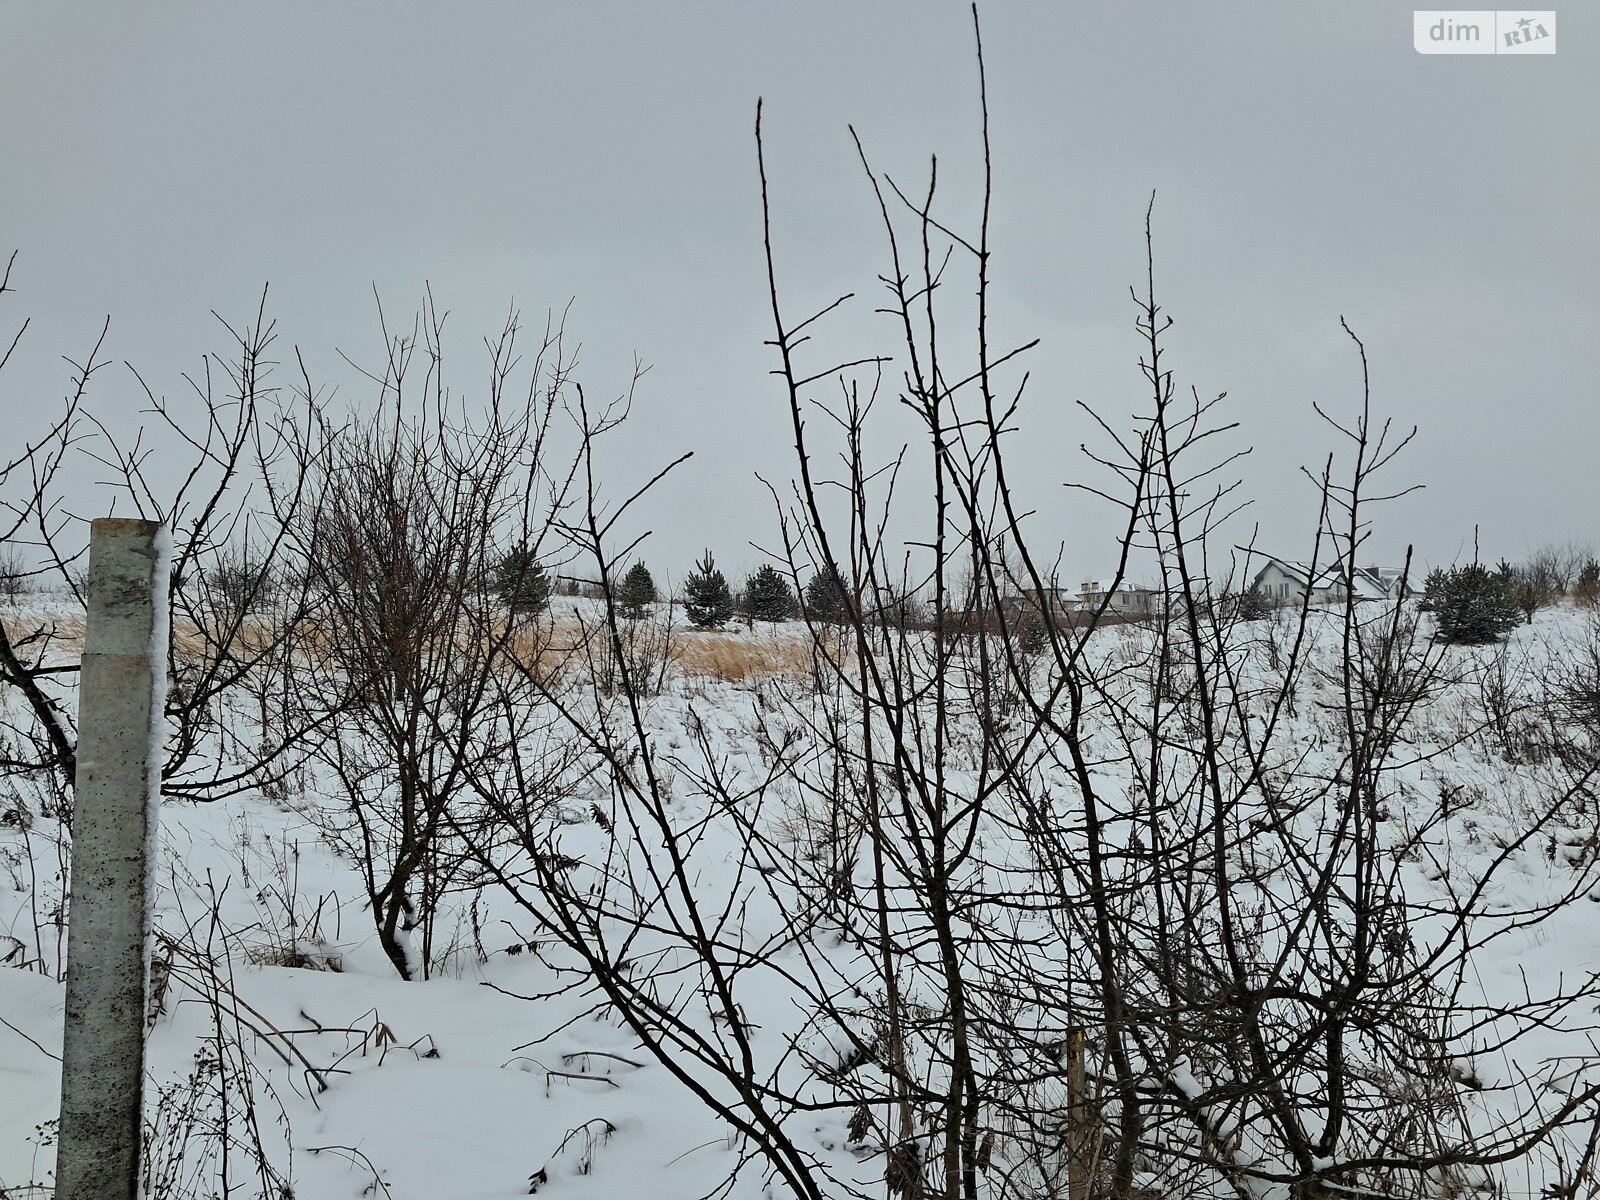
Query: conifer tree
{"points": [[708, 602], [1252, 604], [521, 582], [826, 597], [767, 596], [637, 592], [1470, 604]]}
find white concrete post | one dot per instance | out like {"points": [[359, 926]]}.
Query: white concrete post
{"points": [[115, 810], [1079, 1137]]}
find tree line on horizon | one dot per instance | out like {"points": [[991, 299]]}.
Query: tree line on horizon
{"points": [[1472, 603], [708, 600]]}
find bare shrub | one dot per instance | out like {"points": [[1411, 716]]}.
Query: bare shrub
{"points": [[420, 679], [1570, 685], [16, 581]]}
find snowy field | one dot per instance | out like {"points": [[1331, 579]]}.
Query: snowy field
{"points": [[507, 1070]]}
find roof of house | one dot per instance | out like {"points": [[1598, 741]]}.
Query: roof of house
{"points": [[1096, 589], [1366, 583], [1320, 575]]}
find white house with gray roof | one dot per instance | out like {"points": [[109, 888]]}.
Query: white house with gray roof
{"points": [[1285, 582]]}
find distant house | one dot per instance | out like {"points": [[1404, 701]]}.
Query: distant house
{"points": [[1285, 582], [1127, 599], [1053, 601], [1380, 583]]}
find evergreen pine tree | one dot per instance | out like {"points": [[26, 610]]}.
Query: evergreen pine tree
{"points": [[1252, 604], [827, 598], [706, 599], [521, 582], [767, 596], [1432, 586], [1470, 605], [637, 592]]}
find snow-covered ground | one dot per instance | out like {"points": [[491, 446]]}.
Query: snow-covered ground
{"points": [[504, 1071]]}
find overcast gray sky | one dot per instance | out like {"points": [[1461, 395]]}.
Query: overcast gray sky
{"points": [[163, 160]]}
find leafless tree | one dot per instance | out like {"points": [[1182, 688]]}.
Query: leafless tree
{"points": [[225, 443], [417, 675], [1071, 910], [1536, 583]]}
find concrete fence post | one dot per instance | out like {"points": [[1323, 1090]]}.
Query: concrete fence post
{"points": [[1080, 1137], [115, 811]]}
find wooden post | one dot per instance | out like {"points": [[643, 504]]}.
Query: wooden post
{"points": [[115, 813]]}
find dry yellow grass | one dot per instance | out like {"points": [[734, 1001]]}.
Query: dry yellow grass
{"points": [[726, 656], [65, 630], [64, 633], [731, 657], [708, 654], [734, 659]]}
